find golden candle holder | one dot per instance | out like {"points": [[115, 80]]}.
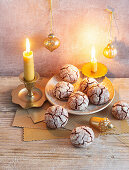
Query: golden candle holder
{"points": [[30, 94], [101, 70]]}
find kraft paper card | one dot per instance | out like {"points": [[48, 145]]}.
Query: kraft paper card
{"points": [[31, 118], [39, 134], [37, 114], [23, 119]]}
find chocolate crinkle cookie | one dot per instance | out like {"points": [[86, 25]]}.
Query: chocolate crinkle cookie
{"points": [[69, 73], [62, 90], [56, 117], [120, 110], [82, 136], [98, 94], [78, 101], [87, 83]]}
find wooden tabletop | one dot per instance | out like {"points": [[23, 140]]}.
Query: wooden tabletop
{"points": [[107, 152]]}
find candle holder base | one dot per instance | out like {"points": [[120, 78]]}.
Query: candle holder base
{"points": [[30, 94], [23, 95], [101, 70]]}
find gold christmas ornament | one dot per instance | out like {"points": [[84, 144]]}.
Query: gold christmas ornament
{"points": [[51, 43], [102, 124], [110, 51]]}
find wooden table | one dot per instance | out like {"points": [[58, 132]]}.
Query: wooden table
{"points": [[107, 152]]}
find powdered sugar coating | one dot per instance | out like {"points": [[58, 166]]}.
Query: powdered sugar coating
{"points": [[69, 73], [98, 94], [62, 90], [56, 117], [78, 101], [82, 136], [87, 83], [120, 110]]}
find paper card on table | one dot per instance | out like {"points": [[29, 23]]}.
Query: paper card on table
{"points": [[37, 114], [39, 134], [23, 119]]}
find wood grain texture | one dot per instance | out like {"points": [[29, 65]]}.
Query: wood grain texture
{"points": [[107, 152], [78, 25]]}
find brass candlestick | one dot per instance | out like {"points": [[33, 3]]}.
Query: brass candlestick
{"points": [[30, 94]]}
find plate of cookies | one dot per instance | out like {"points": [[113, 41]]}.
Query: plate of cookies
{"points": [[79, 95]]}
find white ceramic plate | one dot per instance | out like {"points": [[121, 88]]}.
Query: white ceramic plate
{"points": [[91, 108]]}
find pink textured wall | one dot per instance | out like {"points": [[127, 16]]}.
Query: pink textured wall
{"points": [[77, 23]]}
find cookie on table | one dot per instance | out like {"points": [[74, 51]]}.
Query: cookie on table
{"points": [[56, 117], [63, 90], [87, 83], [82, 136], [120, 110], [78, 101], [69, 73], [98, 94]]}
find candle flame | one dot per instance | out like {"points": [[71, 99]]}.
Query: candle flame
{"points": [[93, 58], [27, 45]]}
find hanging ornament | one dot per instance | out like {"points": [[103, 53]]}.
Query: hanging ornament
{"points": [[102, 124], [110, 51], [51, 43]]}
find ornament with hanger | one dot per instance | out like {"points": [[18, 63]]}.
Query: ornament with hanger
{"points": [[52, 42], [110, 51]]}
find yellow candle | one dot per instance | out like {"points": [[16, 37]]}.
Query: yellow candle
{"points": [[93, 61], [28, 63]]}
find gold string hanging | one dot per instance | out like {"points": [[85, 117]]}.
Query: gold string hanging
{"points": [[111, 12], [51, 26], [51, 43], [110, 51]]}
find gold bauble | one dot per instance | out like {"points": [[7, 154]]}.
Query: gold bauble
{"points": [[102, 124], [110, 51], [51, 43]]}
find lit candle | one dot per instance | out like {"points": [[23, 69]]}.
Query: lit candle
{"points": [[28, 63], [93, 60]]}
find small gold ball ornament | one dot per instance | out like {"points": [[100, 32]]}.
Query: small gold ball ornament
{"points": [[110, 51], [102, 124], [51, 43]]}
